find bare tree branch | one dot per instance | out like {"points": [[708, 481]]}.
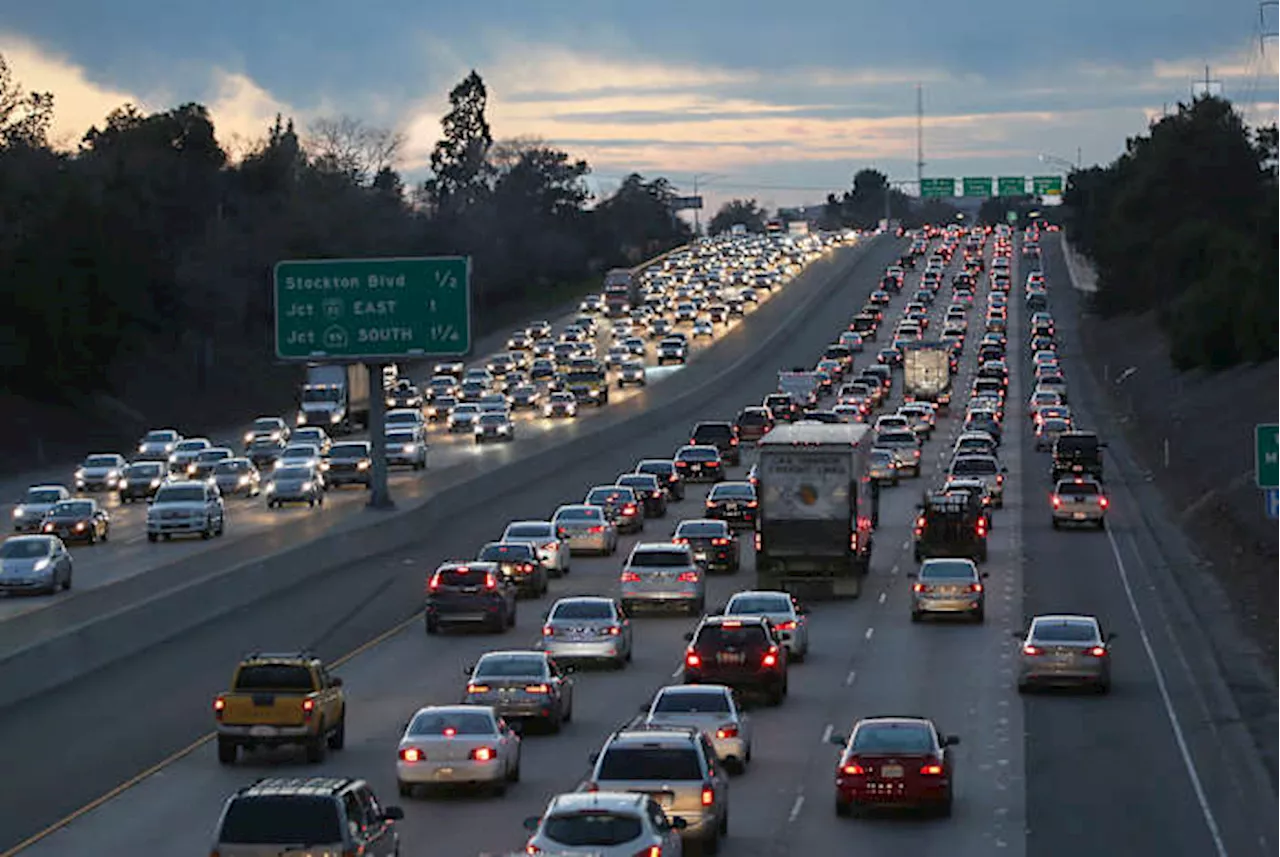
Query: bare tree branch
{"points": [[349, 146]]}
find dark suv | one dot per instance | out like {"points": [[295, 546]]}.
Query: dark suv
{"points": [[723, 436], [753, 424], [738, 651], [951, 523], [470, 593], [1077, 453], [519, 563], [782, 407], [329, 815]]}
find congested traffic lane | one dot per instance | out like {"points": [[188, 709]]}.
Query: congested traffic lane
{"points": [[452, 456], [1144, 784], [340, 610]]}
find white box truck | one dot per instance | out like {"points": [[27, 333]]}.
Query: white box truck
{"points": [[926, 373], [335, 397], [818, 509]]}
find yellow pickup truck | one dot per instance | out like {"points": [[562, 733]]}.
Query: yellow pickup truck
{"points": [[281, 699]]}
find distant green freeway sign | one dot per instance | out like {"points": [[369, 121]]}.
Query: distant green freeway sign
{"points": [[937, 187], [1011, 186], [1046, 185], [979, 186], [1266, 445], [369, 309], [1011, 216]]}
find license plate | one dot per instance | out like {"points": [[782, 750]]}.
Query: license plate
{"points": [[444, 772], [696, 468], [731, 507], [1079, 516], [731, 658], [262, 731], [891, 772], [700, 555]]}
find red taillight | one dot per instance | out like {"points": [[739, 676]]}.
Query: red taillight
{"points": [[975, 587], [727, 732], [688, 577], [536, 688], [1056, 501], [788, 625], [770, 658], [708, 795], [1103, 502], [1098, 651], [629, 577], [596, 529], [629, 509], [490, 582], [1032, 650], [982, 526], [219, 706], [752, 504], [733, 441], [548, 631], [759, 541], [651, 851], [713, 464], [434, 585], [919, 587], [483, 754], [308, 707], [931, 770], [691, 659], [853, 769], [613, 631], [721, 542], [412, 754]]}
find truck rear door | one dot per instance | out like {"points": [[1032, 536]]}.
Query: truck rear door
{"points": [[274, 694]]}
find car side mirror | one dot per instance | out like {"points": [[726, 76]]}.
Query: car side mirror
{"points": [[838, 740], [531, 823], [594, 757], [468, 670], [393, 813], [985, 575], [951, 740], [1004, 470], [1017, 635], [688, 636], [913, 574], [678, 823], [1111, 636], [337, 682]]}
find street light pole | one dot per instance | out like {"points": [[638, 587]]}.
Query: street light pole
{"points": [[701, 177]]}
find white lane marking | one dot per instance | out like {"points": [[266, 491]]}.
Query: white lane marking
{"points": [[795, 808], [848, 680], [906, 544], [1205, 810], [893, 570], [826, 733], [883, 596], [678, 671], [870, 631], [134, 540]]}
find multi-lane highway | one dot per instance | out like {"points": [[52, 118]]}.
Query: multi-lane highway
{"points": [[1137, 771]]}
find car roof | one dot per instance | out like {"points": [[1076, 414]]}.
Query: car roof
{"points": [[529, 522], [893, 720]]}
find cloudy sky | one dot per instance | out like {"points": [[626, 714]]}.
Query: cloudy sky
{"points": [[780, 101]]}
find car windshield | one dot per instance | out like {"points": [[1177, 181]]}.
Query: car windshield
{"points": [[466, 410], [190, 445], [266, 425], [692, 702], [281, 820], [288, 474], [493, 419], [159, 437], [212, 455], [741, 491], [72, 508], [43, 495], [583, 610], [25, 548], [751, 604], [101, 461], [510, 666], [453, 723], [349, 450], [660, 558], [593, 827], [148, 468], [667, 764], [180, 494], [1064, 631], [403, 417], [224, 467], [945, 569], [301, 452], [895, 738], [973, 467], [266, 443]]}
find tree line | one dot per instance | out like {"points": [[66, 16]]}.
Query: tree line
{"points": [[149, 236], [1184, 223]]}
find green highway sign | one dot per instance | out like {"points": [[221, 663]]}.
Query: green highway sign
{"points": [[362, 310], [1046, 185], [1266, 450], [1011, 186], [937, 187], [1011, 216], [980, 186]]}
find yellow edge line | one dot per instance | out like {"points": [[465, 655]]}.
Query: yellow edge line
{"points": [[136, 779]]}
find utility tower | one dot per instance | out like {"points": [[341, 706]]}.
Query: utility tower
{"points": [[1206, 87]]}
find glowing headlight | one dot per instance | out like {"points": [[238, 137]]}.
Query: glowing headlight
{"points": [[301, 419], [79, 525], [191, 469], [142, 447], [362, 465], [41, 564], [80, 473], [243, 480], [478, 429], [504, 429], [155, 483], [391, 403], [173, 459], [307, 486], [248, 437], [271, 487], [124, 483], [335, 418], [19, 512], [410, 448]]}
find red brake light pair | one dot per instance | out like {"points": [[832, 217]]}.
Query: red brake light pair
{"points": [[720, 542]]}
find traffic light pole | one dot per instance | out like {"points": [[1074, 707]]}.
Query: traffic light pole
{"points": [[379, 493]]}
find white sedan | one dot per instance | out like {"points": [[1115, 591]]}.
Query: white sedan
{"points": [[789, 621], [457, 745]]}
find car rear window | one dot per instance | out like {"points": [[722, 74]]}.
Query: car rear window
{"points": [[709, 433], [739, 491], [973, 467], [1074, 445], [699, 454], [506, 553], [530, 531], [461, 576], [274, 677], [583, 610], [660, 558], [898, 738], [670, 764], [702, 530], [461, 722], [1065, 632], [511, 666], [593, 827], [281, 820], [737, 636], [945, 570], [1078, 489], [685, 702]]}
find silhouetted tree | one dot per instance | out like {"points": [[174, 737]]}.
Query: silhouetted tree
{"points": [[745, 211]]}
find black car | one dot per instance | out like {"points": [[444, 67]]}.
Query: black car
{"points": [[649, 489], [699, 464], [668, 476], [1077, 453], [723, 436], [77, 520], [738, 651], [519, 563], [783, 408], [951, 524], [264, 451], [350, 463], [715, 546], [470, 593], [734, 502], [141, 480]]}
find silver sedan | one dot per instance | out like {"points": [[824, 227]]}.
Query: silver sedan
{"points": [[790, 621], [457, 745], [587, 628], [586, 529], [711, 708], [950, 586], [1064, 649]]}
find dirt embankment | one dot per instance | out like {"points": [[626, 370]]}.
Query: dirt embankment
{"points": [[1194, 433]]}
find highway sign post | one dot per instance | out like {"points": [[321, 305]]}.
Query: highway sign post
{"points": [[1046, 185], [1011, 186], [367, 310], [937, 187], [976, 186], [1266, 455], [1273, 503]]}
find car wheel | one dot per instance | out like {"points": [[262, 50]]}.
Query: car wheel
{"points": [[316, 748], [207, 532], [338, 737], [106, 533], [1102, 523], [916, 616], [711, 845], [405, 789], [1104, 687], [698, 607], [151, 537], [1054, 523], [432, 625], [66, 584], [227, 751], [311, 504], [980, 615], [799, 656], [513, 775], [944, 807], [511, 618]]}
